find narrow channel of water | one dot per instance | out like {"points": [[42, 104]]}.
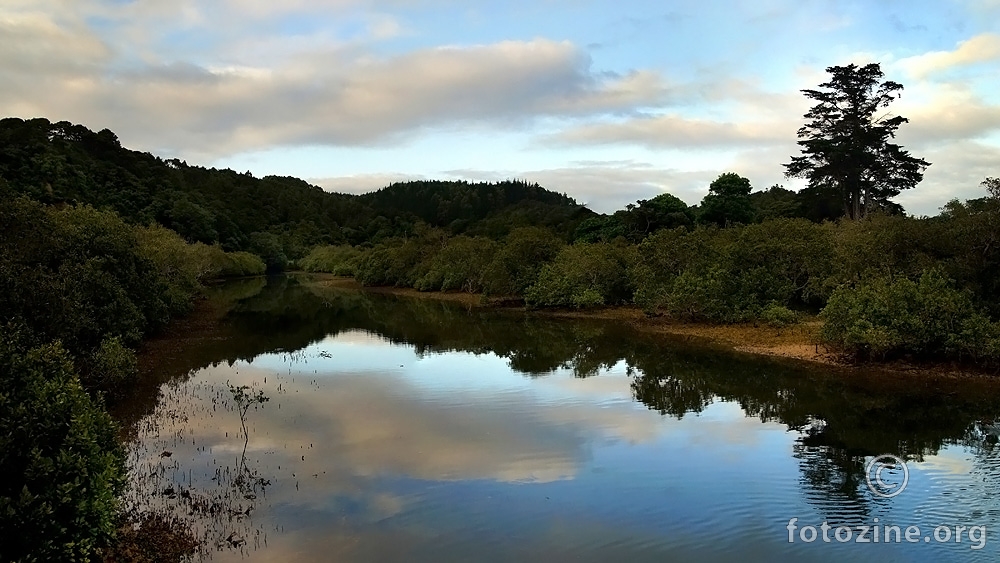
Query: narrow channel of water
{"points": [[413, 430]]}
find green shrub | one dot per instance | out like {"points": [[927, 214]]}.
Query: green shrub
{"points": [[175, 263], [584, 275], [111, 368], [390, 263], [778, 315], [884, 317], [519, 260], [791, 259], [700, 296], [340, 260], [734, 274], [660, 258], [881, 245], [184, 267], [76, 275], [459, 265], [60, 463], [240, 264], [271, 250]]}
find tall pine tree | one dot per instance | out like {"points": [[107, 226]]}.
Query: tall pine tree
{"points": [[845, 144]]}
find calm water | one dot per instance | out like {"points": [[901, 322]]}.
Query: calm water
{"points": [[411, 430]]}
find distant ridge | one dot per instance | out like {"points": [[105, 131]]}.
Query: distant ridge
{"points": [[67, 163]]}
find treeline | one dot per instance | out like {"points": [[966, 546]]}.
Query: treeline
{"points": [[887, 286], [79, 288], [277, 218]]}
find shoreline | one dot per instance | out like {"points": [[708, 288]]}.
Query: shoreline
{"points": [[794, 342]]}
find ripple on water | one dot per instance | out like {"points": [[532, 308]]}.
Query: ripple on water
{"points": [[371, 451]]}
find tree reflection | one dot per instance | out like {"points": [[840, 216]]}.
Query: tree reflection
{"points": [[843, 416]]}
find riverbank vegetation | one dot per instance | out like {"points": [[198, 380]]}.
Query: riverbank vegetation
{"points": [[79, 288], [885, 287]]}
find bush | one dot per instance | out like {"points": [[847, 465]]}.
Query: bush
{"points": [[518, 261], [732, 275], [703, 296], [76, 275], [60, 463], [664, 256], [884, 317], [270, 249], [390, 263], [793, 259], [111, 367], [173, 259], [459, 265], [881, 245], [240, 264], [341, 260], [584, 275], [184, 267], [778, 315]]}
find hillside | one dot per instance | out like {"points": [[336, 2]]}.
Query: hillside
{"points": [[65, 163]]}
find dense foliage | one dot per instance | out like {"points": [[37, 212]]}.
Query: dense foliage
{"points": [[60, 464], [860, 273], [277, 218], [79, 287], [884, 317]]}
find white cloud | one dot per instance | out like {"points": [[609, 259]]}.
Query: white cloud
{"points": [[946, 112], [956, 171], [710, 112], [677, 131], [362, 183], [979, 49], [36, 43], [325, 96]]}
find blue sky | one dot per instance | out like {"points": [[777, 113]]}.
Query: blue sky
{"points": [[606, 101]]}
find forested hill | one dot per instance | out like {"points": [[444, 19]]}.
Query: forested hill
{"points": [[490, 209], [66, 163]]}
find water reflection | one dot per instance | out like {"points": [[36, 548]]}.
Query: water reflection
{"points": [[413, 429]]}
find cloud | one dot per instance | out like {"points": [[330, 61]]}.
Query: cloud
{"points": [[956, 171], [362, 183], [710, 112], [326, 96], [979, 49], [36, 43], [952, 113], [676, 131]]}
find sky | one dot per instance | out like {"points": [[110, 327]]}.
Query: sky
{"points": [[608, 102]]}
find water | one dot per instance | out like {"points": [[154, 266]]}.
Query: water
{"points": [[413, 430]]}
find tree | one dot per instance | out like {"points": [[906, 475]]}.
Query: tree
{"points": [[992, 186], [728, 201], [845, 144], [775, 202], [664, 211]]}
